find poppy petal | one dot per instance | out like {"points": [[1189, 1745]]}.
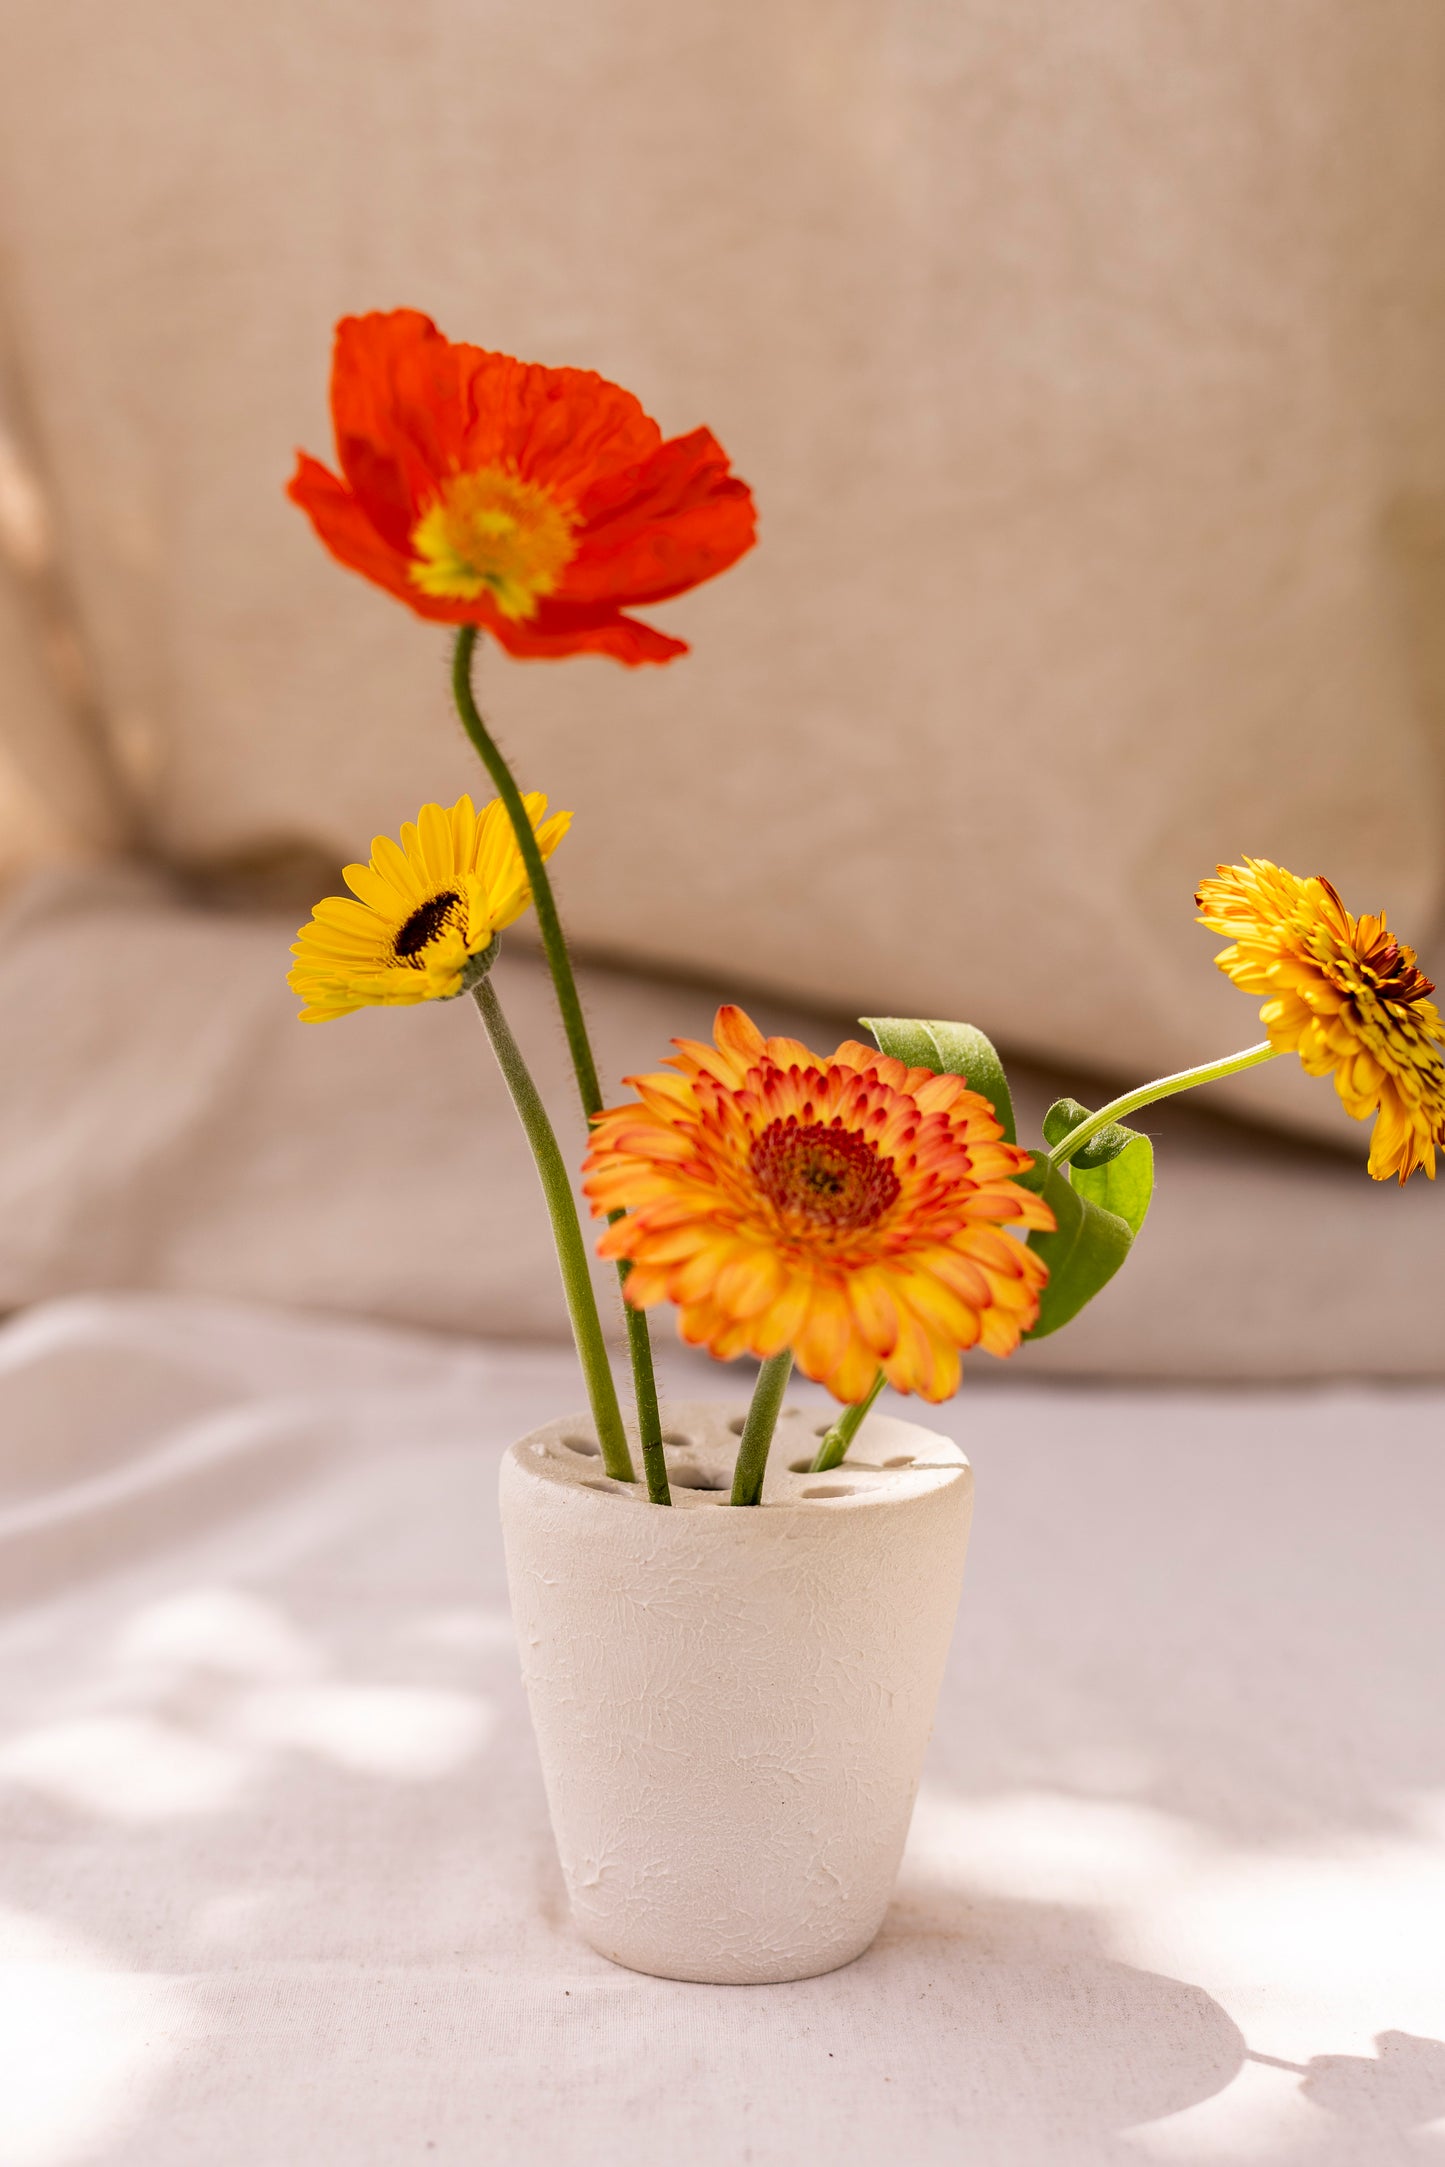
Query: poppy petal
{"points": [[345, 527], [683, 519], [564, 428], [558, 630], [396, 414]]}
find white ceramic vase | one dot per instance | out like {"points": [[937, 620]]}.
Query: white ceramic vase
{"points": [[731, 1705]]}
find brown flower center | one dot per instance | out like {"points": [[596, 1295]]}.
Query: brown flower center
{"points": [[826, 1177], [1394, 972], [424, 924], [1387, 967]]}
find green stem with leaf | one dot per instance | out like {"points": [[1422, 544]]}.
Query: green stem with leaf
{"points": [[1162, 1088], [579, 1046]]}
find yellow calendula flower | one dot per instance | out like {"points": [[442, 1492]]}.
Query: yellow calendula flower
{"points": [[1343, 994], [420, 911], [848, 1207]]}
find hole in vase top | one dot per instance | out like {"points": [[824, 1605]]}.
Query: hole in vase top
{"points": [[586, 1446], [800, 1467], [675, 1441], [838, 1489], [905, 1459], [697, 1478], [738, 1424], [821, 1429]]}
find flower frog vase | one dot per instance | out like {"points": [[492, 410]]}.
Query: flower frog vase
{"points": [[732, 1707]]}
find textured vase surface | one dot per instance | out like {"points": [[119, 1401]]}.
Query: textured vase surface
{"points": [[732, 1706]]}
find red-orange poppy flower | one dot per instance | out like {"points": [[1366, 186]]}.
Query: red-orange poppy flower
{"points": [[538, 503]]}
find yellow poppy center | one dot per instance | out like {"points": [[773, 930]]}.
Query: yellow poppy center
{"points": [[422, 927], [493, 533], [823, 1177]]}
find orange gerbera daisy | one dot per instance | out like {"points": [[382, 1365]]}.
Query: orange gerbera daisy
{"points": [[1345, 995], [849, 1208], [537, 503]]}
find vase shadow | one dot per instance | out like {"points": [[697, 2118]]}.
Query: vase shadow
{"points": [[1052, 2038]]}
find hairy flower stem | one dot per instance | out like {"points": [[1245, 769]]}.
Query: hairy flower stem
{"points": [[589, 1090], [543, 900], [1163, 1087], [835, 1444], [566, 1232], [752, 1461]]}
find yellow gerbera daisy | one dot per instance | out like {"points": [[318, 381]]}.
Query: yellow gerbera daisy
{"points": [[420, 911], [849, 1208], [1345, 995]]}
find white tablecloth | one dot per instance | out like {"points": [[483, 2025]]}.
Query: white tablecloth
{"points": [[278, 1887]]}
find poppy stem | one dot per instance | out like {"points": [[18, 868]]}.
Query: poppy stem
{"points": [[589, 1090], [566, 1232], [752, 1461], [543, 900], [1163, 1087], [837, 1440]]}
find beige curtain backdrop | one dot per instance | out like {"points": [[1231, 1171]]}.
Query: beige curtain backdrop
{"points": [[1087, 363]]}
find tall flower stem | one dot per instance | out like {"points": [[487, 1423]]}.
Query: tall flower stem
{"points": [[589, 1090], [1163, 1087], [752, 1461], [566, 1232], [837, 1440], [543, 900]]}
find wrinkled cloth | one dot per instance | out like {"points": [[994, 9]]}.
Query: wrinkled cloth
{"points": [[277, 1883]]}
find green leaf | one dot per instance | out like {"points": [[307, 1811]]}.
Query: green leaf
{"points": [[949, 1049], [1064, 1116], [1124, 1186], [1099, 1204], [1083, 1254]]}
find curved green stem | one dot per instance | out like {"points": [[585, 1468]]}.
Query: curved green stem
{"points": [[752, 1461], [543, 900], [835, 1444], [1163, 1087], [579, 1046], [566, 1232]]}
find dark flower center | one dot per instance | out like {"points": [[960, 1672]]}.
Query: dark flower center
{"points": [[1395, 973], [824, 1176], [424, 924], [1388, 968]]}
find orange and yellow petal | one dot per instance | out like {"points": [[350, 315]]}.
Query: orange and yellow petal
{"points": [[851, 1209], [1345, 996]]}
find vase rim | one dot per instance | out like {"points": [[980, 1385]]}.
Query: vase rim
{"points": [[892, 1462]]}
